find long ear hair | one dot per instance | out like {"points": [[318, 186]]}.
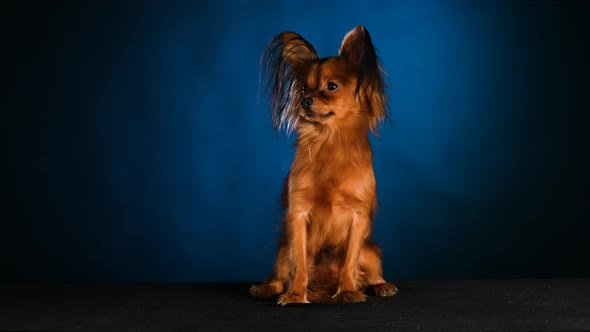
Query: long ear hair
{"points": [[359, 52], [287, 52]]}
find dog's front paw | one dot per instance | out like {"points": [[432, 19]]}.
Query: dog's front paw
{"points": [[349, 297], [292, 298], [384, 289]]}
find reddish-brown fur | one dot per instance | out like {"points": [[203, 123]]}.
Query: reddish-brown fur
{"points": [[325, 254]]}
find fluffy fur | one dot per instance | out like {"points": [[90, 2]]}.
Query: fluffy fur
{"points": [[325, 253]]}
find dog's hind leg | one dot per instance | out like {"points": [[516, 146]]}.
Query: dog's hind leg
{"points": [[370, 265], [275, 283]]}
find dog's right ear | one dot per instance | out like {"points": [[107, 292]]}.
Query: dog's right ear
{"points": [[286, 53], [296, 50]]}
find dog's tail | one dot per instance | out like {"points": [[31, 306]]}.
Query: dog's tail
{"points": [[320, 296], [323, 285]]}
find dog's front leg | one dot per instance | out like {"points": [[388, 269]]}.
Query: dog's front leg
{"points": [[296, 230], [358, 232]]}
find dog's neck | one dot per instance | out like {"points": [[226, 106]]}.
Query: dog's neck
{"points": [[315, 141]]}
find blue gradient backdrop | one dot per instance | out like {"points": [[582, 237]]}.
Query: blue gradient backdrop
{"points": [[138, 150]]}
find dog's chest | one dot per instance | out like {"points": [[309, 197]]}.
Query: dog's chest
{"points": [[339, 187], [333, 174]]}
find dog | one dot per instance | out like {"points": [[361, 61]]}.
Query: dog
{"points": [[325, 253]]}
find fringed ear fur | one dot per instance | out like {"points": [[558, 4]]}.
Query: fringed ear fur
{"points": [[279, 63], [359, 52]]}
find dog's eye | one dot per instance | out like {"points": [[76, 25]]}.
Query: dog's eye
{"points": [[332, 86], [305, 88]]}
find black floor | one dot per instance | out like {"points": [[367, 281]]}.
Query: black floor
{"points": [[488, 305]]}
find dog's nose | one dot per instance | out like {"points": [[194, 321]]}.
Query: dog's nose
{"points": [[306, 102]]}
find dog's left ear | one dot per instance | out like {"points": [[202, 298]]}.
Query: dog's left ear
{"points": [[359, 53], [354, 46]]}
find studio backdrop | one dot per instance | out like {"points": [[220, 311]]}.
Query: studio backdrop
{"points": [[138, 149]]}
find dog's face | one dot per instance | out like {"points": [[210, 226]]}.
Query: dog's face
{"points": [[325, 89], [341, 91]]}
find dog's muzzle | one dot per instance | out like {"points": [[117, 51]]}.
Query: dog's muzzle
{"points": [[309, 114], [306, 103]]}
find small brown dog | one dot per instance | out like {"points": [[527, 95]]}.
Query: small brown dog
{"points": [[325, 253]]}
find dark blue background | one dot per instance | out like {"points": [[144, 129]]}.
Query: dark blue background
{"points": [[138, 150]]}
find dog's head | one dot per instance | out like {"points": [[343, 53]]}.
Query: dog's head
{"points": [[341, 91]]}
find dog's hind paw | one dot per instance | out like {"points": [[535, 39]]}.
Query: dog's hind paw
{"points": [[384, 289], [264, 291]]}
